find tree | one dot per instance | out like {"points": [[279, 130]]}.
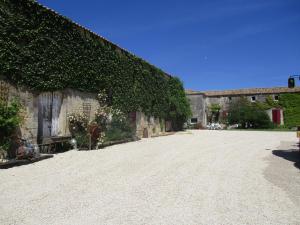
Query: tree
{"points": [[179, 106], [248, 115]]}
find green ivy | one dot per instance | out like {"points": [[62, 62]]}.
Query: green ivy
{"points": [[46, 52], [267, 104], [215, 108], [291, 105], [179, 110]]}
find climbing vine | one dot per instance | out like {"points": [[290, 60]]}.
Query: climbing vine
{"points": [[291, 106], [267, 104], [290, 102], [46, 52]]}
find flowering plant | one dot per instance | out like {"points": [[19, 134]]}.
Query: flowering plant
{"points": [[101, 138], [78, 122], [118, 115], [102, 98], [102, 116]]}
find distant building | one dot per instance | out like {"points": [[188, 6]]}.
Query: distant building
{"points": [[201, 102]]}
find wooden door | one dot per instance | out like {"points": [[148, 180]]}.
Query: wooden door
{"points": [[49, 110], [56, 105], [276, 116], [45, 117]]}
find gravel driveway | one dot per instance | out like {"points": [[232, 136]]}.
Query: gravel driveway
{"points": [[194, 177]]}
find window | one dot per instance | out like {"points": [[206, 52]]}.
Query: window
{"points": [[276, 97], [253, 99], [194, 120], [229, 98]]}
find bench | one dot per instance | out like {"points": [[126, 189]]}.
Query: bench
{"points": [[53, 144]]}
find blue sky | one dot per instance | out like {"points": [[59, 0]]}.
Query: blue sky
{"points": [[210, 45]]}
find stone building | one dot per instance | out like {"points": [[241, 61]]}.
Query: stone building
{"points": [[201, 102], [45, 113]]}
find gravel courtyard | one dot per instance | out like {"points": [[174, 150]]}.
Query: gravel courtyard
{"points": [[190, 178]]}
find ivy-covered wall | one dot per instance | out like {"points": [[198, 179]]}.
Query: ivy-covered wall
{"points": [[290, 102], [46, 52], [291, 107]]}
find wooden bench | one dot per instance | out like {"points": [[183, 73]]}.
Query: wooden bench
{"points": [[53, 144]]}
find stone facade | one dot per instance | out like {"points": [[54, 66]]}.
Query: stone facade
{"points": [[29, 101], [198, 107], [202, 101], [45, 113], [148, 126], [70, 101], [75, 102]]}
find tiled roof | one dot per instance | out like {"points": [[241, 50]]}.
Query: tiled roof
{"points": [[249, 91]]}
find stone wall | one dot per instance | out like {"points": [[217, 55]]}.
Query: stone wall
{"points": [[222, 101], [69, 101], [29, 101], [197, 103], [200, 104], [148, 126], [60, 104], [74, 101]]}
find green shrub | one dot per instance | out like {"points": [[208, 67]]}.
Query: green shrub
{"points": [[179, 109], [248, 115], [82, 139], [10, 119], [78, 123], [118, 129]]}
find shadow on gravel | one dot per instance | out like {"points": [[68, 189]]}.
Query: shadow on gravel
{"points": [[292, 155], [281, 169]]}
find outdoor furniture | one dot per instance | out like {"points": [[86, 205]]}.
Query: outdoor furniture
{"points": [[53, 144]]}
